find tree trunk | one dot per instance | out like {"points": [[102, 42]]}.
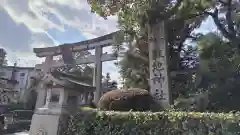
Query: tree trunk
{"points": [[158, 64]]}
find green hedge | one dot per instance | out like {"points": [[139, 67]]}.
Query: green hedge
{"points": [[95, 122]]}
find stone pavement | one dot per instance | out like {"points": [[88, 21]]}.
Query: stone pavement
{"points": [[19, 133]]}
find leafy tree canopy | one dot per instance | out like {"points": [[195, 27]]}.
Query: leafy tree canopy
{"points": [[219, 71], [134, 15]]}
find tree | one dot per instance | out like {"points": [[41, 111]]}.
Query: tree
{"points": [[179, 30], [3, 61], [141, 18], [132, 75], [107, 82], [226, 15], [106, 79], [181, 76], [219, 72]]}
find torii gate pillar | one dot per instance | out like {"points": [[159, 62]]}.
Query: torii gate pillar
{"points": [[97, 80]]}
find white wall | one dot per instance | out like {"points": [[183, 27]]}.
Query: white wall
{"points": [[21, 76]]}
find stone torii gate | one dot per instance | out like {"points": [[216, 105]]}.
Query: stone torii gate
{"points": [[67, 50]]}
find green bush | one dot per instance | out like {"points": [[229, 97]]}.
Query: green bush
{"points": [[125, 100], [198, 102], [95, 122]]}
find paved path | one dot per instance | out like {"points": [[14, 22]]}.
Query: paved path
{"points": [[19, 133]]}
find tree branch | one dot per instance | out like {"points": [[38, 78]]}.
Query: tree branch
{"points": [[184, 34], [158, 12], [190, 16], [223, 2], [230, 20], [219, 25], [173, 10], [231, 32], [192, 37]]}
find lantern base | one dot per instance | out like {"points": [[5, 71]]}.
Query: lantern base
{"points": [[49, 121]]}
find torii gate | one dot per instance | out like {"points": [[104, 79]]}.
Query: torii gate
{"points": [[67, 50]]}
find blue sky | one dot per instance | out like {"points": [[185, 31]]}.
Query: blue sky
{"points": [[28, 24], [70, 35]]}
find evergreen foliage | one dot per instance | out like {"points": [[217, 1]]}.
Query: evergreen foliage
{"points": [[95, 122]]}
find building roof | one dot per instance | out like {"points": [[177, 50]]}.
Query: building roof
{"points": [[59, 79]]}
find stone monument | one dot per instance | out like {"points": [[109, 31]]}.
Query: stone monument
{"points": [[158, 64]]}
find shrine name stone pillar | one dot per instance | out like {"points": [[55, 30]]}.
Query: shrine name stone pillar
{"points": [[158, 64], [98, 74]]}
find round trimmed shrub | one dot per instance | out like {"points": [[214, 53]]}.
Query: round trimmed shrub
{"points": [[126, 99]]}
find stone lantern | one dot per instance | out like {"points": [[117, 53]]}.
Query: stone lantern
{"points": [[61, 101]]}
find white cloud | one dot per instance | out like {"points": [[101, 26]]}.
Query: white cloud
{"points": [[28, 14], [79, 15], [36, 15], [25, 23]]}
